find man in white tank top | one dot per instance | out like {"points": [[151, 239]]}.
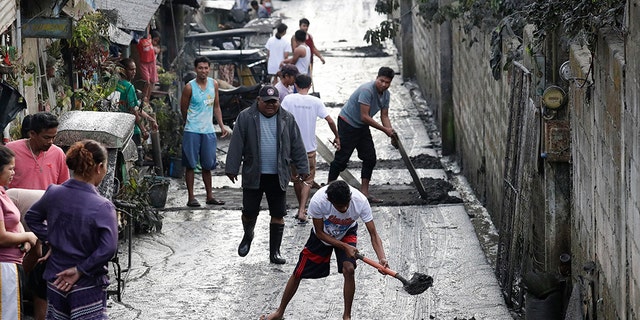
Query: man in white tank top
{"points": [[301, 54]]}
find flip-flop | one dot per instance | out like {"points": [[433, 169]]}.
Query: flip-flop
{"points": [[301, 221], [215, 201], [193, 203], [374, 200]]}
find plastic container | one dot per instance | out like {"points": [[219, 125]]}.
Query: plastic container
{"points": [[176, 170], [158, 190]]}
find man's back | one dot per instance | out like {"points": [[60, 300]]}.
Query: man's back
{"points": [[304, 60], [306, 109], [277, 48]]}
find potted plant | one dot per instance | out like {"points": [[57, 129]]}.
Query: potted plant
{"points": [[170, 127], [166, 80]]}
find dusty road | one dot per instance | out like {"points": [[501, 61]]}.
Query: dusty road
{"points": [[190, 270]]}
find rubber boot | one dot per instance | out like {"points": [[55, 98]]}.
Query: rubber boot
{"points": [[245, 244], [275, 239]]}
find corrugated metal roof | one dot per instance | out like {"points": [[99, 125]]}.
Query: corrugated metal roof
{"points": [[219, 4], [132, 14], [7, 14], [118, 36]]}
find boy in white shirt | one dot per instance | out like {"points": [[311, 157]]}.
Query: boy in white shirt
{"points": [[306, 109], [335, 209]]}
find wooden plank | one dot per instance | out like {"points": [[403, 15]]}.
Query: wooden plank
{"points": [[410, 167], [327, 155]]}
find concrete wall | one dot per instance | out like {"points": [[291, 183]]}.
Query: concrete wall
{"points": [[481, 111], [605, 148], [426, 44], [480, 103], [630, 148], [605, 136]]}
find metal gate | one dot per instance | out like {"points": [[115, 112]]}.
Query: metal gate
{"points": [[516, 249]]}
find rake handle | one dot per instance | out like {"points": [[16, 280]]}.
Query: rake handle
{"points": [[376, 265]]}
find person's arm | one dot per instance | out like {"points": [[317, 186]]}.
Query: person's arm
{"points": [[36, 216], [151, 120], [384, 117], [318, 226], [299, 52], [63, 169], [376, 243], [334, 129], [315, 50], [184, 101], [106, 223], [236, 147], [318, 54], [13, 239], [218, 112]]}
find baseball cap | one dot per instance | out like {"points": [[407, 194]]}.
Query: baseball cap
{"points": [[269, 92]]}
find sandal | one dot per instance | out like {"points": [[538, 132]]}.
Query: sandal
{"points": [[193, 203], [300, 220], [215, 201], [374, 200]]}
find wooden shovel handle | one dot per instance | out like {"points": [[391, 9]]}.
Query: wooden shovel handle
{"points": [[376, 265]]}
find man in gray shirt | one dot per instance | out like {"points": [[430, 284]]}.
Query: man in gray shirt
{"points": [[353, 126]]}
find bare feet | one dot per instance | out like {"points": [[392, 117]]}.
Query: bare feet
{"points": [[270, 317]]}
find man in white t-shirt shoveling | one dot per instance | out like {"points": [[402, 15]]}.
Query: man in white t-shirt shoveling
{"points": [[335, 209], [306, 109]]}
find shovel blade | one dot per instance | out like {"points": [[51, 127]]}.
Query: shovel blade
{"points": [[418, 284]]}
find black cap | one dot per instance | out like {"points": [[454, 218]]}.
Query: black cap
{"points": [[269, 92]]}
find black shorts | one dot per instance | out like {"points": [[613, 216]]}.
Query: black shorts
{"points": [[35, 283], [315, 258]]}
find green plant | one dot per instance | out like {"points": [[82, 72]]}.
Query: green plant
{"points": [[89, 43], [15, 130], [387, 28], [54, 50], [170, 127], [580, 20], [135, 190], [574, 20], [167, 78], [90, 49]]}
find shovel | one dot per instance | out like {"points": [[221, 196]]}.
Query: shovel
{"points": [[418, 284], [395, 141]]}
